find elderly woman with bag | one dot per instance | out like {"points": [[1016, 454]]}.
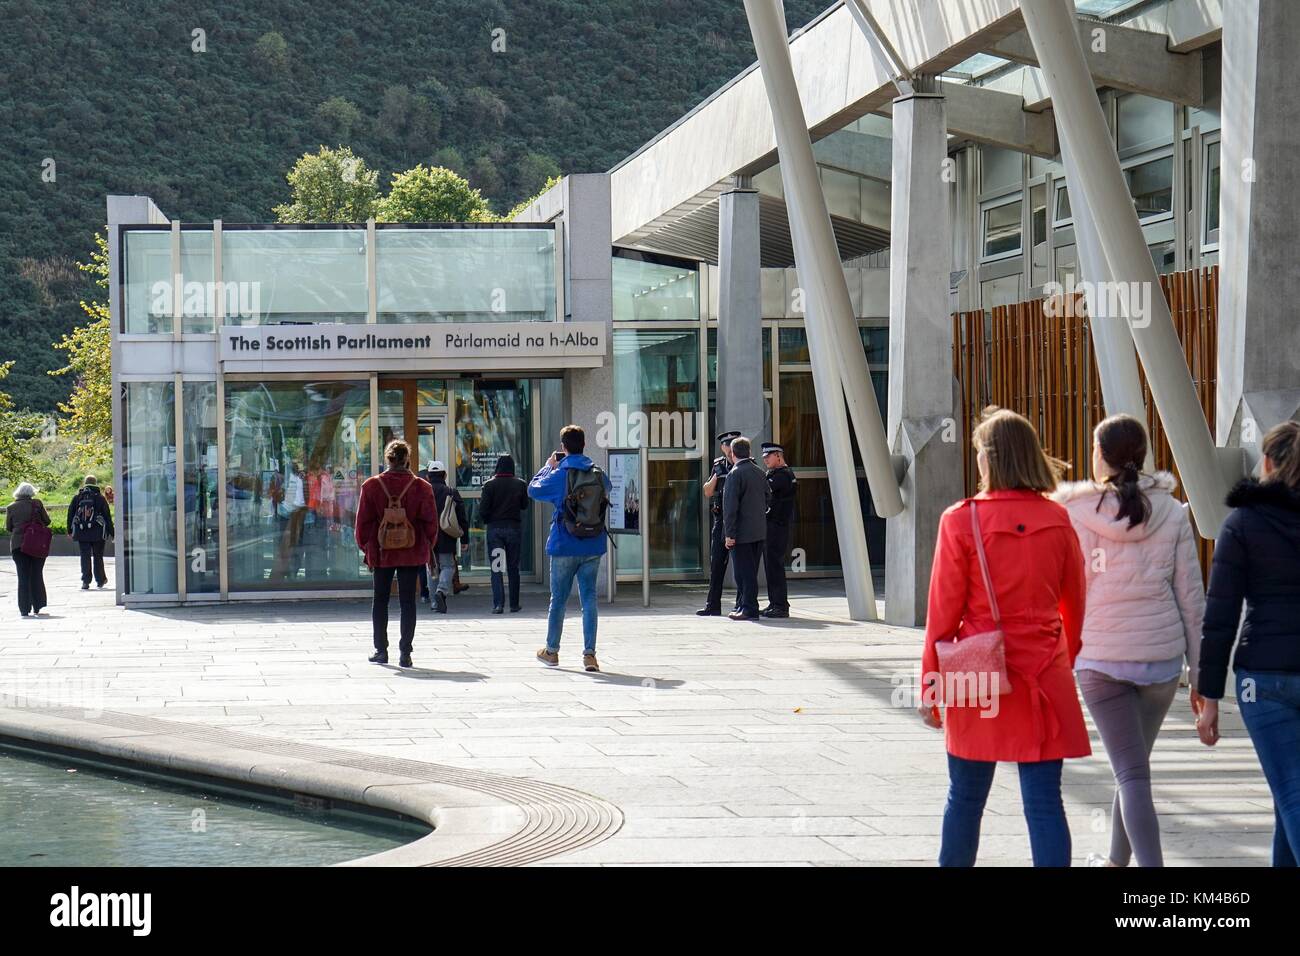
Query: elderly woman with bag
{"points": [[1002, 631], [28, 524]]}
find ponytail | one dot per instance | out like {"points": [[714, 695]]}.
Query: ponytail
{"points": [[1122, 441], [1282, 446]]}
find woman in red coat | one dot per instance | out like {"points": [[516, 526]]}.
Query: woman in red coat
{"points": [[1038, 579], [414, 495]]}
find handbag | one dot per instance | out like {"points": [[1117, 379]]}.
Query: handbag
{"points": [[36, 539], [977, 655], [449, 521]]}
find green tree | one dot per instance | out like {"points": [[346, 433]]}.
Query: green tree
{"points": [[425, 194], [337, 118], [333, 185], [18, 433], [88, 412], [271, 53], [533, 170]]}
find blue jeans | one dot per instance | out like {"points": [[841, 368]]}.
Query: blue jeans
{"points": [[504, 538], [1040, 789], [1270, 706], [563, 570]]}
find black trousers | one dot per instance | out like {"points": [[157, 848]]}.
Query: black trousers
{"points": [[747, 555], [504, 538], [408, 580], [31, 582], [92, 560], [775, 550], [718, 557]]}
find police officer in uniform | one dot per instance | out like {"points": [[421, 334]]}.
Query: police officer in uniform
{"points": [[780, 515], [717, 547]]}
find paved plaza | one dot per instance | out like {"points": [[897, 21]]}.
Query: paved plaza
{"points": [[765, 743]]}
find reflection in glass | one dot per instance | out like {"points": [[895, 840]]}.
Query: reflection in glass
{"points": [[673, 521], [1152, 186], [1002, 229], [465, 275], [658, 373], [1212, 193], [290, 276], [199, 297], [813, 529], [493, 418], [296, 455], [147, 281], [649, 288], [800, 432], [202, 527], [148, 491]]}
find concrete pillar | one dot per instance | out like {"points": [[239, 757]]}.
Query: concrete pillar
{"points": [[1259, 285], [923, 417], [589, 297], [828, 306], [1104, 196], [740, 316]]}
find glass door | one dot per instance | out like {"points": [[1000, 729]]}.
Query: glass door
{"points": [[415, 410]]}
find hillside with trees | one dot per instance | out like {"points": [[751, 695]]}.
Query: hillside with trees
{"points": [[206, 107]]}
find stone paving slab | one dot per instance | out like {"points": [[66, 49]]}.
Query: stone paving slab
{"points": [[775, 743]]}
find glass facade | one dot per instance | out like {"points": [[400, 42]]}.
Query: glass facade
{"points": [[465, 275], [147, 282], [296, 455], [201, 462], [290, 276], [650, 288], [148, 487]]}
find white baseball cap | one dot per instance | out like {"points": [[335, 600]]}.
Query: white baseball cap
{"points": [[437, 466]]}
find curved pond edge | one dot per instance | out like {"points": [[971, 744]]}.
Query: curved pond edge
{"points": [[477, 818]]}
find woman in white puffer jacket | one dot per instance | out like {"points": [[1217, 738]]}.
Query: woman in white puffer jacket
{"points": [[1143, 618]]}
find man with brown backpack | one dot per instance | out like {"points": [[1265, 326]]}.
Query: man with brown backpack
{"points": [[397, 526]]}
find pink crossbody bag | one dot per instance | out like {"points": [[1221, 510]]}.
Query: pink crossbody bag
{"points": [[978, 654]]}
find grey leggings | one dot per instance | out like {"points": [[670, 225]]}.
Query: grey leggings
{"points": [[1128, 718]]}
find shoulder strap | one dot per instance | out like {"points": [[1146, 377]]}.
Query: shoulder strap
{"points": [[984, 563], [405, 488]]}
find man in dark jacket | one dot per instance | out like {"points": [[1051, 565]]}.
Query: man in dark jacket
{"points": [[744, 517], [444, 551], [781, 479], [501, 508], [90, 524]]}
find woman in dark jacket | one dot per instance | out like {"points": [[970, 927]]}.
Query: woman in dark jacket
{"points": [[1257, 562], [397, 484], [444, 552], [30, 569]]}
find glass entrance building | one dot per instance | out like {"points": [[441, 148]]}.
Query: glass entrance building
{"points": [[261, 369]]}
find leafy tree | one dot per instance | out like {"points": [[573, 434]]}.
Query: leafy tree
{"points": [[533, 170], [18, 433], [424, 194], [332, 185], [485, 176], [271, 53], [89, 408], [450, 158], [407, 121], [337, 118], [484, 110]]}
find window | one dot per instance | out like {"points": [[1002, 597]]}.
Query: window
{"points": [[1000, 169], [1002, 291], [147, 281], [658, 372], [649, 288], [294, 276], [296, 455], [202, 527], [1063, 213], [1151, 184], [467, 275], [1002, 229], [1143, 120], [1212, 174], [148, 492], [198, 296], [1038, 234]]}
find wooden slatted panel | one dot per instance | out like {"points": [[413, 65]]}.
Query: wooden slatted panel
{"points": [[1039, 362]]}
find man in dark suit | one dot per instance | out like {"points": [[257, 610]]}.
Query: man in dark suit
{"points": [[780, 515], [718, 552], [744, 516]]}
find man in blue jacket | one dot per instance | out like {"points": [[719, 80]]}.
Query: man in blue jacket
{"points": [[580, 492]]}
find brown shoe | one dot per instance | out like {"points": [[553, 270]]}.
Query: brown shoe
{"points": [[589, 662], [549, 658]]}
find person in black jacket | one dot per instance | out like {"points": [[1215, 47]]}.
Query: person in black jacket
{"points": [[444, 551], [500, 508], [1257, 562], [744, 517], [90, 524], [784, 485]]}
